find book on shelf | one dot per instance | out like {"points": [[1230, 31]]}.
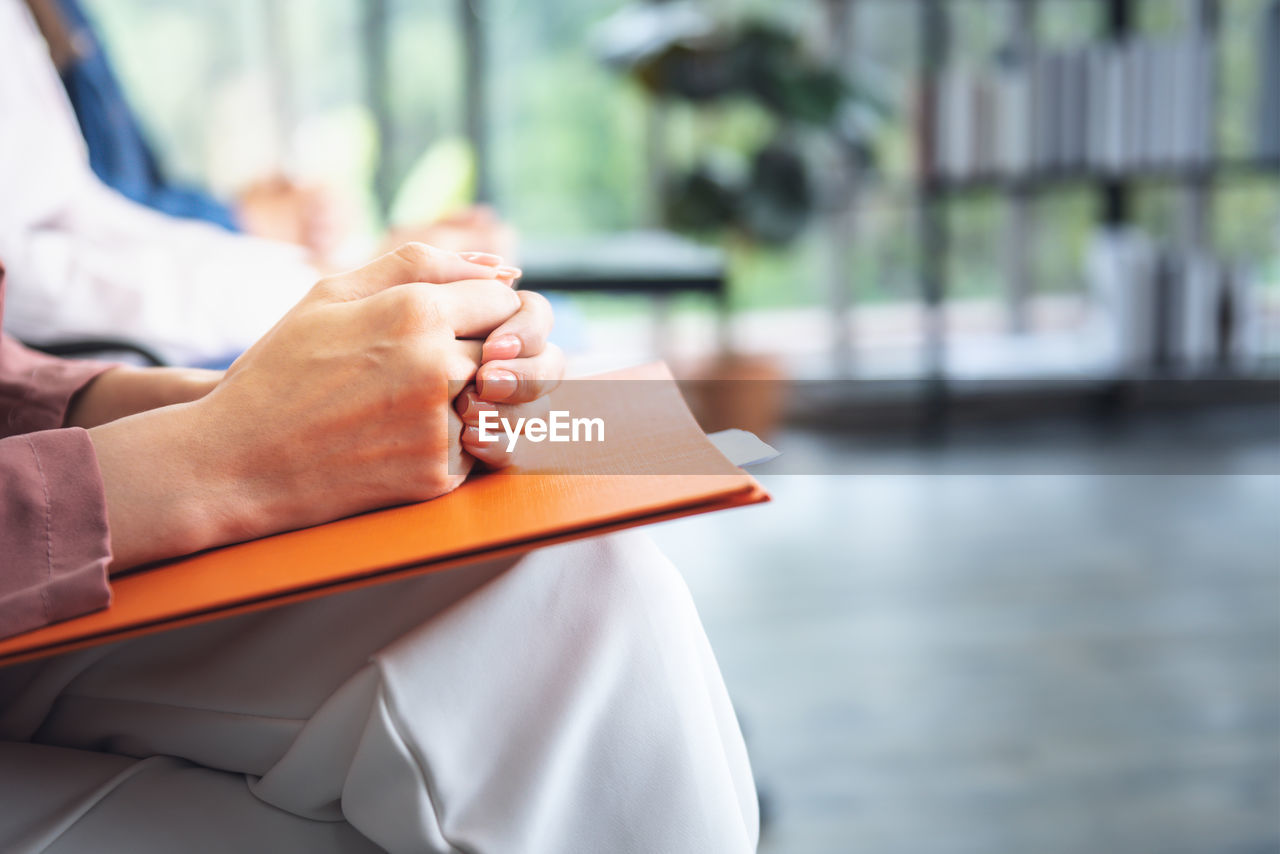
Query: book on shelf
{"points": [[1107, 107], [1170, 310]]}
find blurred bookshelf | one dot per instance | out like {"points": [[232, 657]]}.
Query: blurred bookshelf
{"points": [[1110, 163], [1073, 178], [1113, 114]]}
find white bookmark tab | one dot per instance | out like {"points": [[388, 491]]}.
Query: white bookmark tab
{"points": [[743, 448]]}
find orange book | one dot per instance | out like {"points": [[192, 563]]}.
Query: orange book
{"points": [[654, 464]]}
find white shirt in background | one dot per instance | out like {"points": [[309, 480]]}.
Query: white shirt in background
{"points": [[84, 261]]}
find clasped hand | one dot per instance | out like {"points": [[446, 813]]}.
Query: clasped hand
{"points": [[364, 395]]}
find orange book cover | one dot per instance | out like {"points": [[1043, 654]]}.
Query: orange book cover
{"points": [[655, 464]]}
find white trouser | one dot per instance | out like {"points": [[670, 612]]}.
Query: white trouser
{"points": [[566, 701]]}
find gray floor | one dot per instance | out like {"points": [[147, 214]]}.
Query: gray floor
{"points": [[1041, 662]]}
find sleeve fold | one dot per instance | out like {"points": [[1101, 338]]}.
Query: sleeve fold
{"points": [[55, 546]]}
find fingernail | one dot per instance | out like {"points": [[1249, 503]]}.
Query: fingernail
{"points": [[502, 347], [465, 405], [505, 272], [482, 258], [473, 408], [498, 385], [471, 435]]}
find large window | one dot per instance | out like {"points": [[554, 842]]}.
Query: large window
{"points": [[233, 89]]}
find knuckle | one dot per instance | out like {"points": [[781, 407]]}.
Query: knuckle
{"points": [[508, 299], [417, 309], [425, 482], [417, 255], [509, 304], [536, 301], [434, 475], [538, 315], [325, 287]]}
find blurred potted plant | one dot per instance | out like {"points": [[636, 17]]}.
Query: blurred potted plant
{"points": [[678, 53], [810, 138]]}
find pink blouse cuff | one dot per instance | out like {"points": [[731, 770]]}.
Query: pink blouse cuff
{"points": [[54, 542], [50, 385]]}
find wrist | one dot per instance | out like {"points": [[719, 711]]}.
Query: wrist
{"points": [[182, 385], [125, 391], [167, 489]]}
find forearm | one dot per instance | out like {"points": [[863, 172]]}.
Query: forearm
{"points": [[126, 391], [166, 486]]}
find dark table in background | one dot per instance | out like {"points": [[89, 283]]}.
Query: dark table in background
{"points": [[650, 263]]}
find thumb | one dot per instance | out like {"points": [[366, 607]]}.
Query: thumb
{"points": [[411, 263]]}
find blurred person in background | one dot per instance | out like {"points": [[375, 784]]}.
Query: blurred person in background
{"points": [[99, 242]]}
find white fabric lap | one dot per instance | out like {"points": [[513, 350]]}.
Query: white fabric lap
{"points": [[567, 701], [60, 801]]}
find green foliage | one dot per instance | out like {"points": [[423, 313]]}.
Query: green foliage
{"points": [[441, 182], [682, 58], [568, 156]]}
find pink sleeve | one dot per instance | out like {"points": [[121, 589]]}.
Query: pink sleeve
{"points": [[35, 389], [54, 544]]}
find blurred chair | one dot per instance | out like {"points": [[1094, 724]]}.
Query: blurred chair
{"points": [[88, 348]]}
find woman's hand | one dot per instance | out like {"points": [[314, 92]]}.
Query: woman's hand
{"points": [[344, 406], [519, 368]]}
